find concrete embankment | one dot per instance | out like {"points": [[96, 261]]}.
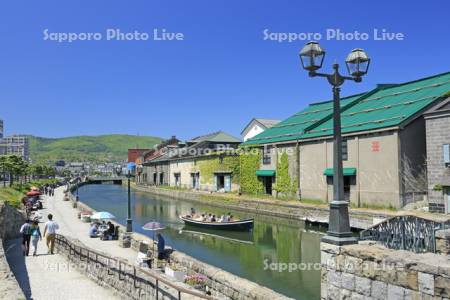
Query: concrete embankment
{"points": [[360, 219], [10, 221]]}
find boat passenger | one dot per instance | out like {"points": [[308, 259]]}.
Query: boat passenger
{"points": [[192, 212], [221, 219], [231, 218], [213, 218]]}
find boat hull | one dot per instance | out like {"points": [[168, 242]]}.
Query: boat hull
{"points": [[242, 225]]}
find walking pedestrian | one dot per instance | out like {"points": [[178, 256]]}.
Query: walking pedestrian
{"points": [[50, 233], [25, 230], [35, 236]]}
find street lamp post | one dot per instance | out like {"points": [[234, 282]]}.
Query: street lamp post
{"points": [[312, 56], [129, 220], [77, 183]]}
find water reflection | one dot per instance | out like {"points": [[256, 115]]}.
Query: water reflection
{"points": [[246, 254]]}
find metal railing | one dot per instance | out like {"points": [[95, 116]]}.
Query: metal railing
{"points": [[408, 232], [123, 269]]}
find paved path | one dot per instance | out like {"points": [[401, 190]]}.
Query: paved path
{"points": [[50, 277], [69, 225]]}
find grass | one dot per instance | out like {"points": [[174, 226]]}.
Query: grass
{"points": [[375, 207], [11, 196]]}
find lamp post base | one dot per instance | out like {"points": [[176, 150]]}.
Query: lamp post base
{"points": [[129, 225], [339, 241]]}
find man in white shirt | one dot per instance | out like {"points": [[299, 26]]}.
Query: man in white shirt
{"points": [[50, 233]]}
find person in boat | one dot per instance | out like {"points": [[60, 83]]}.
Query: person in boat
{"points": [[192, 212], [203, 218], [221, 219], [231, 218], [213, 218]]}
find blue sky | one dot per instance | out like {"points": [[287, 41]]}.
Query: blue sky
{"points": [[220, 76]]}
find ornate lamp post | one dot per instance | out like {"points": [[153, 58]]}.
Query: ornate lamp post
{"points": [[312, 56], [129, 220]]}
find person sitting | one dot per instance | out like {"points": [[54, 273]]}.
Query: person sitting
{"points": [[161, 246], [93, 231], [192, 212], [213, 218], [203, 217], [231, 218]]}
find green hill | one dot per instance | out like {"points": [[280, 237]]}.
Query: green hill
{"points": [[103, 148]]}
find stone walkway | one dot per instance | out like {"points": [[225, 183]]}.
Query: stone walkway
{"points": [[47, 276], [69, 225], [50, 277]]}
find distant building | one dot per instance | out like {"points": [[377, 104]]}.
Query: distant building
{"points": [[133, 154], [256, 126], [202, 163], [437, 122], [1, 129], [76, 168], [15, 145]]}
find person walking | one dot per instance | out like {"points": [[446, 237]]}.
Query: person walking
{"points": [[25, 230], [50, 233], [35, 236]]}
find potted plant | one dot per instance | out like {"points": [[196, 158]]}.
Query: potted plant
{"points": [[174, 271], [198, 281]]}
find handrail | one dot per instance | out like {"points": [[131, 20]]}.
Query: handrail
{"points": [[64, 241]]}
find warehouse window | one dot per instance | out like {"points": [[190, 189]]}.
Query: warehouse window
{"points": [[344, 150], [447, 155]]}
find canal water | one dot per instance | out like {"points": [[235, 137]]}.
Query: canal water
{"points": [[260, 255]]}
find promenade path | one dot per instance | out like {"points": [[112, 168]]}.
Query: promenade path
{"points": [[51, 277]]}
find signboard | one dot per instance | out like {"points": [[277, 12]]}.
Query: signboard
{"points": [[376, 146]]}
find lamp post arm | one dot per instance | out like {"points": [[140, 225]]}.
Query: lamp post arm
{"points": [[335, 79]]}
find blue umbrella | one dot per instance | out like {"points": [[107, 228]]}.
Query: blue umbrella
{"points": [[102, 215], [153, 226]]}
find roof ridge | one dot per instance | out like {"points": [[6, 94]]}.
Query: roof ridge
{"points": [[342, 98], [417, 80], [406, 92]]}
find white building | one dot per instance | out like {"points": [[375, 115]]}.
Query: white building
{"points": [[256, 126], [15, 145]]}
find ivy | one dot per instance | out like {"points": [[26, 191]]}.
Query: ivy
{"points": [[249, 164], [284, 184], [209, 165]]}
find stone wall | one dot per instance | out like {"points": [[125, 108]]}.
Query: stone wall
{"points": [[10, 221], [370, 271], [127, 282], [443, 242], [438, 134], [274, 208]]}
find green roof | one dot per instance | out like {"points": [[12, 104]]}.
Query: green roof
{"points": [[346, 171], [385, 106], [265, 172], [293, 127]]}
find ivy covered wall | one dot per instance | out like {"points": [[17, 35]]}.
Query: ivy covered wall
{"points": [[208, 165], [249, 163], [285, 184]]}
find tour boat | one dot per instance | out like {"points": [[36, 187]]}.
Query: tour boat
{"points": [[240, 225]]}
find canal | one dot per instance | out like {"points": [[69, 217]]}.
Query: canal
{"points": [[258, 255]]}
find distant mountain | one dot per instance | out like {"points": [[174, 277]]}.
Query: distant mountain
{"points": [[102, 148]]}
